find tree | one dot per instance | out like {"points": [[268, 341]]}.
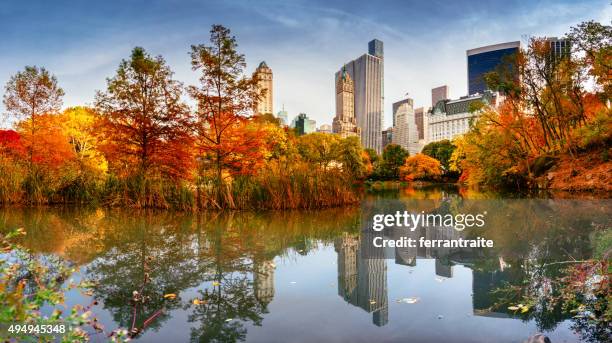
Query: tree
{"points": [[30, 93], [393, 158], [441, 151], [420, 167], [80, 125], [144, 118], [224, 99], [318, 148]]}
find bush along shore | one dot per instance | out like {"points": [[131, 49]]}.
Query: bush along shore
{"points": [[155, 151]]}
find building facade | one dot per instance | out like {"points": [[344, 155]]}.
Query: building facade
{"points": [[451, 118], [419, 114], [265, 85], [387, 137], [438, 93], [367, 74], [487, 59], [405, 132], [344, 122], [283, 117], [325, 128], [304, 125]]}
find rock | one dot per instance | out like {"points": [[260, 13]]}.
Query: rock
{"points": [[538, 338]]}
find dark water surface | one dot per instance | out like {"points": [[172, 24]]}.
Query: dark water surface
{"points": [[314, 276]]}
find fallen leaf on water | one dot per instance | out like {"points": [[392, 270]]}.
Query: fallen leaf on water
{"points": [[228, 319], [215, 283], [170, 296], [199, 302], [412, 300]]}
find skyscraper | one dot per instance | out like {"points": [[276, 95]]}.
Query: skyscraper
{"points": [[264, 75], [344, 122], [367, 74], [419, 114], [303, 124], [405, 133], [438, 93], [487, 59], [282, 116]]}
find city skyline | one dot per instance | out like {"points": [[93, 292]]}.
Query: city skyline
{"points": [[83, 44]]}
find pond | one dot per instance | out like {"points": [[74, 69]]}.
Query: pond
{"points": [[315, 276]]}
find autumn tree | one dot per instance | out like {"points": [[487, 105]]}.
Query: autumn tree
{"points": [[29, 94], [420, 167], [224, 100], [144, 119]]}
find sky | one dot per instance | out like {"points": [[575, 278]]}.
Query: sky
{"points": [[304, 42]]}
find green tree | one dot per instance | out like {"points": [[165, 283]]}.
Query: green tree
{"points": [[441, 151], [393, 158]]}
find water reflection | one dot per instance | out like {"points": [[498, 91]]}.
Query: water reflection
{"points": [[225, 267]]}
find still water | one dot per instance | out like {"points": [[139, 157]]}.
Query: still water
{"points": [[312, 276]]}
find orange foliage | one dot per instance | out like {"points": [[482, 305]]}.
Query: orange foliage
{"points": [[419, 167], [46, 144]]}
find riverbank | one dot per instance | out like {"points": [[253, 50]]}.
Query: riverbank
{"points": [[587, 172]]}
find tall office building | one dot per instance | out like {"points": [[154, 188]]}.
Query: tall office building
{"points": [[438, 93], [303, 124], [367, 74], [387, 137], [419, 114], [264, 75], [283, 117], [344, 122], [487, 59], [405, 132], [560, 48]]}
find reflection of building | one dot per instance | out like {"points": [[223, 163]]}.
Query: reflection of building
{"points": [[367, 75], [263, 280], [345, 123], [451, 118], [362, 275], [264, 83], [487, 59]]}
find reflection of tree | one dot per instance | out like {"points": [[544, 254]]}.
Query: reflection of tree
{"points": [[151, 255], [230, 302]]}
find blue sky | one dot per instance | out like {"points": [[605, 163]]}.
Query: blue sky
{"points": [[304, 42]]}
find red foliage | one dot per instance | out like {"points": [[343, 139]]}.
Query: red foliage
{"points": [[11, 143]]}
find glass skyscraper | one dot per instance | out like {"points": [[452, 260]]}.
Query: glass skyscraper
{"points": [[486, 59], [367, 74]]}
